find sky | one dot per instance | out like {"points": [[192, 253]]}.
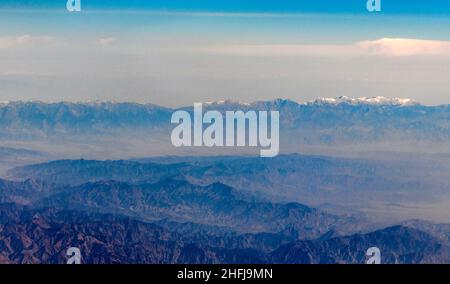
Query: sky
{"points": [[176, 52]]}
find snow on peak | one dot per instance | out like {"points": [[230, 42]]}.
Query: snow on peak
{"points": [[225, 102], [379, 100]]}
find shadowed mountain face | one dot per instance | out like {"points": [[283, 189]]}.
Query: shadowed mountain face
{"points": [[397, 245], [43, 236], [34, 237], [341, 184], [182, 201], [174, 221]]}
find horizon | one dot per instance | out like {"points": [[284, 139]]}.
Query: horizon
{"points": [[376, 100], [180, 52]]}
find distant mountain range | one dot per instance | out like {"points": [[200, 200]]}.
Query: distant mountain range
{"points": [[342, 123]]}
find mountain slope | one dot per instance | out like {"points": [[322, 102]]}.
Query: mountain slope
{"points": [[43, 236], [397, 245], [341, 184], [181, 201]]}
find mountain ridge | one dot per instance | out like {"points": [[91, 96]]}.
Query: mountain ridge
{"points": [[44, 235], [331, 100]]}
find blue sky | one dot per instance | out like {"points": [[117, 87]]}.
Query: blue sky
{"points": [[340, 21], [175, 52], [272, 21], [269, 6]]}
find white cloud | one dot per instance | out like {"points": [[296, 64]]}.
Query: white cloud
{"points": [[383, 47], [405, 47], [24, 40], [107, 41], [276, 49]]}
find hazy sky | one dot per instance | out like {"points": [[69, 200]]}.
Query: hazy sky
{"points": [[176, 52]]}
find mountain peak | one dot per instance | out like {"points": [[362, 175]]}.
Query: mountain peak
{"points": [[378, 100], [225, 102]]}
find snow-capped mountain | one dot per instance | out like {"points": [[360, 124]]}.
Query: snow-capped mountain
{"points": [[379, 100], [341, 122]]}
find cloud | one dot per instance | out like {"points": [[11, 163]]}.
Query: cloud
{"points": [[24, 40], [405, 47], [380, 47], [107, 41], [277, 50]]}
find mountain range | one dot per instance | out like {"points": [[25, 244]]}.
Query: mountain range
{"points": [[345, 185], [345, 124], [353, 173], [156, 212], [41, 232]]}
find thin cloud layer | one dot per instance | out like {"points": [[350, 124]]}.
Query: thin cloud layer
{"points": [[405, 47], [277, 50], [380, 47], [176, 72], [23, 40], [107, 41]]}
